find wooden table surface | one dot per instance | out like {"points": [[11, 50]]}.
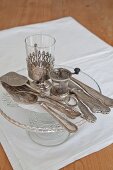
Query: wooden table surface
{"points": [[96, 15]]}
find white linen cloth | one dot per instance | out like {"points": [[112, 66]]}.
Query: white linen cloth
{"points": [[76, 47]]}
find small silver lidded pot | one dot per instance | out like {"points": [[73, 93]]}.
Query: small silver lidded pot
{"points": [[60, 78], [40, 49]]}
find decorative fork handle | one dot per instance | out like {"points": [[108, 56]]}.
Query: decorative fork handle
{"points": [[86, 113], [64, 122], [94, 104], [106, 100]]}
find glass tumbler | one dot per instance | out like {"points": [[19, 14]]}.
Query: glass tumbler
{"points": [[40, 50]]}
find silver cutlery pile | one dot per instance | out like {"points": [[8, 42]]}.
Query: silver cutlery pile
{"points": [[87, 101]]}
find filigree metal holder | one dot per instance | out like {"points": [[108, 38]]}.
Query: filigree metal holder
{"points": [[39, 64]]}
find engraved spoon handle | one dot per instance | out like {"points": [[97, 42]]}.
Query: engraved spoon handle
{"points": [[87, 114], [64, 122], [69, 111], [94, 104], [106, 100], [62, 110]]}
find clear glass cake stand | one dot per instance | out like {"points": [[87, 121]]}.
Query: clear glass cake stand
{"points": [[41, 127]]}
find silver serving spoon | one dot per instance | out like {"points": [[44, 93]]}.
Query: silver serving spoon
{"points": [[19, 96], [14, 79]]}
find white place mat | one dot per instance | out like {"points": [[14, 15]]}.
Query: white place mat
{"points": [[75, 47]]}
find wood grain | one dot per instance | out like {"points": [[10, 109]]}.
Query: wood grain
{"points": [[96, 15]]}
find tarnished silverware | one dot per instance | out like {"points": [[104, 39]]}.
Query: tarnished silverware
{"points": [[86, 113], [24, 94], [71, 127], [17, 80], [14, 79], [63, 110], [31, 98], [9, 77], [94, 104], [20, 96], [104, 99]]}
